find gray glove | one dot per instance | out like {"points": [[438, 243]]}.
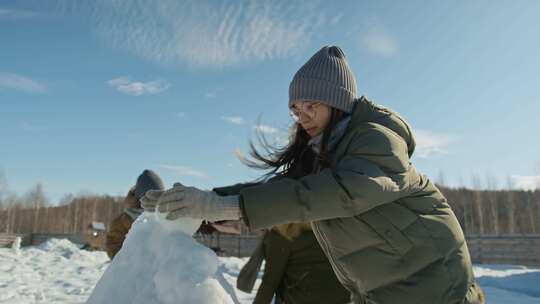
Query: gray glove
{"points": [[150, 199], [182, 201]]}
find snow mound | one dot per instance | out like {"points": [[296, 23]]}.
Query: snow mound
{"points": [[510, 278], [160, 262], [502, 296], [61, 247], [54, 272]]}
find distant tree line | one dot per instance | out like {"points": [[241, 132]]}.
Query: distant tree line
{"points": [[480, 212], [73, 217], [495, 212]]}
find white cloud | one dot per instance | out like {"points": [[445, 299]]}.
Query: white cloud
{"points": [[275, 137], [180, 114], [237, 120], [266, 129], [210, 95], [185, 171], [213, 93], [526, 182], [335, 19], [429, 143], [379, 42], [30, 127], [206, 33], [20, 83], [136, 88], [16, 14]]}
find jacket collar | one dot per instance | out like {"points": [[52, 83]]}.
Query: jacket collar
{"points": [[336, 134]]}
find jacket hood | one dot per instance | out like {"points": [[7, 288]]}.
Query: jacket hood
{"points": [[131, 200], [367, 111]]}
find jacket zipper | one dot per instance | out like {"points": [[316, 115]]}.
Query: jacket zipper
{"points": [[324, 245]]}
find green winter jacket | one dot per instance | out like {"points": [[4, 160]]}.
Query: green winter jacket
{"points": [[298, 271], [388, 232]]}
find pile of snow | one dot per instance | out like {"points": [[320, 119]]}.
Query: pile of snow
{"points": [[509, 284], [229, 268], [160, 262], [55, 272], [60, 247]]}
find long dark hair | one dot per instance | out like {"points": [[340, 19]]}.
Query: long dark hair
{"points": [[296, 159]]}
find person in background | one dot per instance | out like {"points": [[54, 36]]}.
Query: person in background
{"points": [[148, 180], [297, 270]]}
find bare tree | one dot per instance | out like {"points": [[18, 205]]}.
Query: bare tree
{"points": [[66, 199], [492, 201], [75, 216], [3, 189], [530, 212], [511, 206], [35, 198], [477, 201], [538, 178], [441, 180]]}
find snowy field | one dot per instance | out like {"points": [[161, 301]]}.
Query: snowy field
{"points": [[59, 272]]}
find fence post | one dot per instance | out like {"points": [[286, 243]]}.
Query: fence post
{"points": [[239, 245], [8, 221]]}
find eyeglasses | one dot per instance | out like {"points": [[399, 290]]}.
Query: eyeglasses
{"points": [[308, 108]]}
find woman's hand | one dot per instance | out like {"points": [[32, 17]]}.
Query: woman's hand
{"points": [[182, 201], [150, 199]]}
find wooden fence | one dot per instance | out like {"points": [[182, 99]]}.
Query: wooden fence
{"points": [[6, 240], [69, 219], [223, 244], [508, 249], [229, 245]]}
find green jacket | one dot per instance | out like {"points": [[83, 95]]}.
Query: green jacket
{"points": [[299, 272], [388, 232]]}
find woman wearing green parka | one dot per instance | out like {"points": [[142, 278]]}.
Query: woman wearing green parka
{"points": [[388, 232]]}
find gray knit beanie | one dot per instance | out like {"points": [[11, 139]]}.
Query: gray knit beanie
{"points": [[326, 78], [148, 180]]}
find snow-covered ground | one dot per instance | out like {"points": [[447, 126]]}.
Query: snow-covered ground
{"points": [[59, 272]]}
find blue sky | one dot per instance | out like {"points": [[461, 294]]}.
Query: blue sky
{"points": [[92, 93]]}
